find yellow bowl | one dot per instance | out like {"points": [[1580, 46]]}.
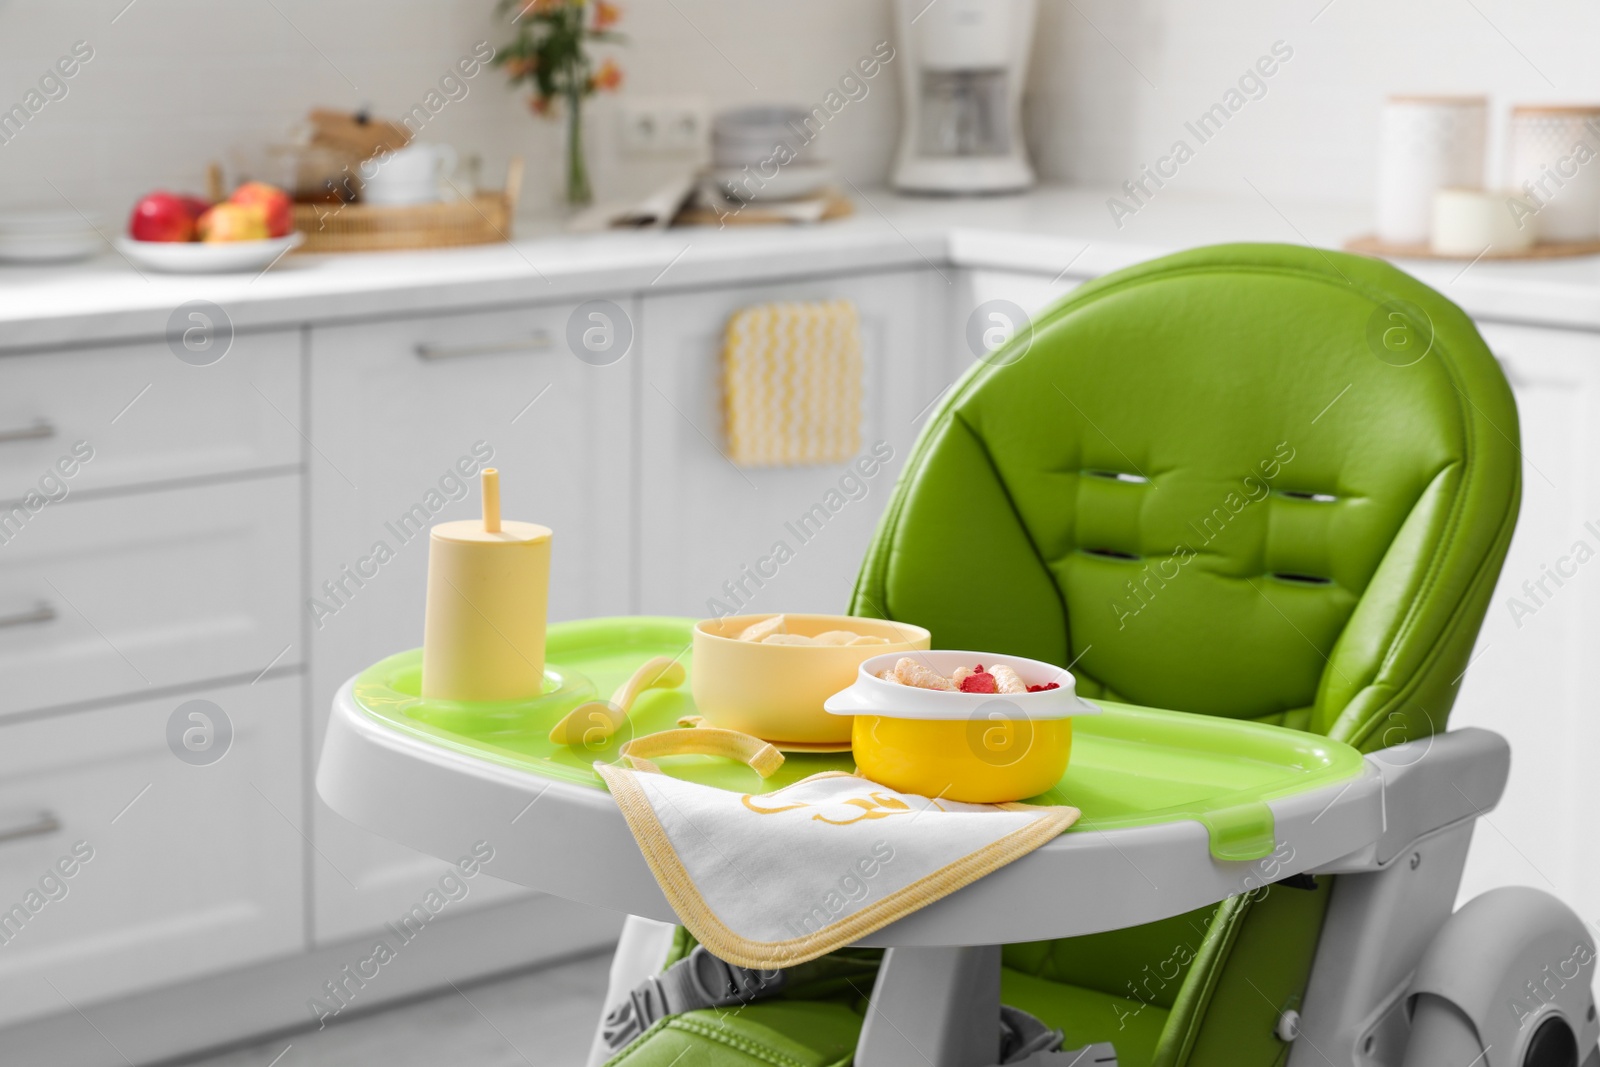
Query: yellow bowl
{"points": [[976, 761], [981, 748], [776, 692]]}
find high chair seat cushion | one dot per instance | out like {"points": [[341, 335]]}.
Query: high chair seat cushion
{"points": [[775, 1033], [1209, 484], [797, 1033], [1085, 1016], [1259, 481]]}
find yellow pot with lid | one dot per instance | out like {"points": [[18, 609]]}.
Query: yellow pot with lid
{"points": [[980, 748]]}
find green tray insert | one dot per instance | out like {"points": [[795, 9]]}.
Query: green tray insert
{"points": [[1130, 767]]}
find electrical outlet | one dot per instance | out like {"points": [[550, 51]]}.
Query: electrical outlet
{"points": [[658, 126]]}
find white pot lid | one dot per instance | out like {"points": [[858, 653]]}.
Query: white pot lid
{"points": [[871, 695]]}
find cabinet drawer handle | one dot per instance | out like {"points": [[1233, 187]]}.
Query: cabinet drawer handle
{"points": [[38, 615], [40, 430], [43, 823], [537, 341]]}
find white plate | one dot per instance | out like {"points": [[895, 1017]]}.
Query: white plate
{"points": [[790, 183], [44, 220], [871, 695], [48, 247], [207, 257]]}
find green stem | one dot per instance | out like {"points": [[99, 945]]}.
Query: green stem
{"points": [[579, 193]]}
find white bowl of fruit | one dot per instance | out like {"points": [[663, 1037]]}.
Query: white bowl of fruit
{"points": [[250, 230]]}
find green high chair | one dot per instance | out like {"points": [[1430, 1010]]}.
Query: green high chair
{"points": [[1255, 481]]}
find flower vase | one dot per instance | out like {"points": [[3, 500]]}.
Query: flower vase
{"points": [[579, 192]]}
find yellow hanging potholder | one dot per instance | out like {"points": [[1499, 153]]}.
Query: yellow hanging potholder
{"points": [[791, 375]]}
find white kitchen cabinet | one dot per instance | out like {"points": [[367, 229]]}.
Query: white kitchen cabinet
{"points": [[706, 525], [994, 305], [399, 410], [146, 415], [191, 868], [1033, 293], [1534, 674], [118, 595]]}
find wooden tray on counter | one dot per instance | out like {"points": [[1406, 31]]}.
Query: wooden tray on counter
{"points": [[483, 218], [1369, 245]]}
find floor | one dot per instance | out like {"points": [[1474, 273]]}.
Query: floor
{"points": [[539, 1018]]}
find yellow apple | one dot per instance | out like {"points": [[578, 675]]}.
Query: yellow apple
{"points": [[234, 222], [275, 204]]}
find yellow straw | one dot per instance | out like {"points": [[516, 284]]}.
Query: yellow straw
{"points": [[491, 500]]}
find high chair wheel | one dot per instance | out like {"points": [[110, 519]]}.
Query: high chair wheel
{"points": [[1505, 983], [1552, 1046]]}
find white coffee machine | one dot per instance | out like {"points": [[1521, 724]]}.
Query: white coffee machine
{"points": [[962, 66]]}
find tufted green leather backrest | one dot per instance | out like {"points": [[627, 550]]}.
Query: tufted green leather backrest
{"points": [[1259, 481]]}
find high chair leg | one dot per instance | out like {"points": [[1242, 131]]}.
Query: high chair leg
{"points": [[1377, 927], [1391, 899], [641, 952], [1401, 981], [934, 1007]]}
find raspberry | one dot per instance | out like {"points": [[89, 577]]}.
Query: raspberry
{"points": [[1042, 688], [979, 682]]}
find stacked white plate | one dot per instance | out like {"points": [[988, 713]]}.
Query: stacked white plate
{"points": [[749, 145], [42, 236]]}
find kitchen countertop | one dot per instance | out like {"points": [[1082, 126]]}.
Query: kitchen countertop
{"points": [[1057, 231]]}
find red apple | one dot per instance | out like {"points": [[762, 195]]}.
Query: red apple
{"points": [[276, 204], [197, 205], [234, 222], [161, 217]]}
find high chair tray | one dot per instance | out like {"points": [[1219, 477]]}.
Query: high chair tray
{"points": [[1179, 810]]}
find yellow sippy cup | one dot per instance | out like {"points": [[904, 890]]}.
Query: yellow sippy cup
{"points": [[488, 592]]}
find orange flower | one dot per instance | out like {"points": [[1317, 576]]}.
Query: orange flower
{"points": [[609, 76], [606, 14], [521, 67], [539, 105]]}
